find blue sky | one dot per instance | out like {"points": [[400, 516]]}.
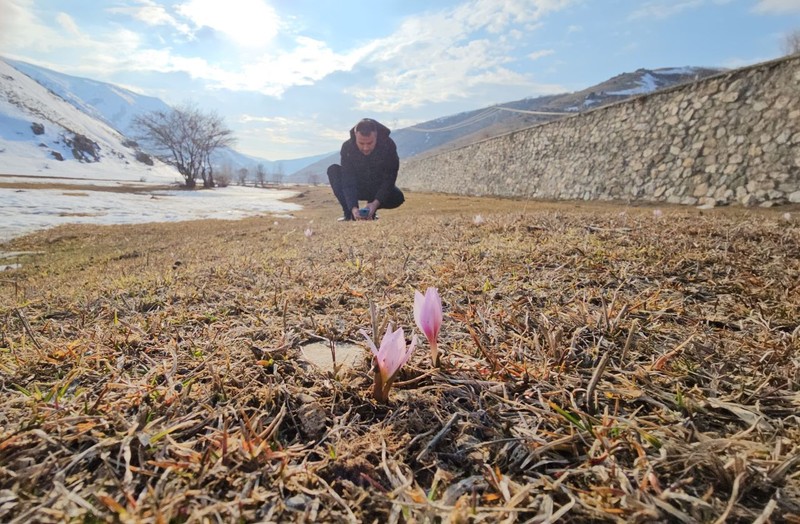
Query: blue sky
{"points": [[290, 77]]}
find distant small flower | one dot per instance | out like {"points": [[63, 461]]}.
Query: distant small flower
{"points": [[309, 233], [657, 213], [428, 315], [391, 356], [787, 217], [478, 220]]}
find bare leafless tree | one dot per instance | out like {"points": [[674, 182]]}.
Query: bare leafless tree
{"points": [[791, 42], [277, 175], [261, 175], [242, 176], [185, 137], [224, 177]]}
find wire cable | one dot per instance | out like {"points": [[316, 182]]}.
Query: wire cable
{"points": [[557, 113], [481, 116], [464, 123]]}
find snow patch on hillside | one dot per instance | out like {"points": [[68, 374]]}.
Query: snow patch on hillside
{"points": [[25, 104], [647, 84]]}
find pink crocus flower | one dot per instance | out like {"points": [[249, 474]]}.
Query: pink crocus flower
{"points": [[428, 315], [391, 356]]}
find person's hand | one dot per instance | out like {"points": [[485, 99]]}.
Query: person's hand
{"points": [[373, 206], [355, 213]]}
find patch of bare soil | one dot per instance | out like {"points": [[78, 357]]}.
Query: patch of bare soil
{"points": [[77, 188], [599, 364]]}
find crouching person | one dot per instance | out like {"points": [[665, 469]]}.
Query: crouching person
{"points": [[368, 171]]}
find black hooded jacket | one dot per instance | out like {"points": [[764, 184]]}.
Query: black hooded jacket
{"points": [[370, 176]]}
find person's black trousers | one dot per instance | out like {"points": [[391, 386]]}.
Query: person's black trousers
{"points": [[365, 192]]}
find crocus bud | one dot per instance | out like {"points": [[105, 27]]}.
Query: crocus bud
{"points": [[428, 315], [391, 356]]}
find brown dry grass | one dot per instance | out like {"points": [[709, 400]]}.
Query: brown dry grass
{"points": [[599, 365]]}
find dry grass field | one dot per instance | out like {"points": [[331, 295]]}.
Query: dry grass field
{"points": [[600, 363]]}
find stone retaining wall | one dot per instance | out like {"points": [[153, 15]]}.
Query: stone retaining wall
{"points": [[733, 137]]}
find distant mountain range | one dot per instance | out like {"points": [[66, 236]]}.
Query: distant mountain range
{"points": [[472, 126], [116, 107]]}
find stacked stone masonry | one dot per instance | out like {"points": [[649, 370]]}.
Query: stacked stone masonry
{"points": [[730, 138]]}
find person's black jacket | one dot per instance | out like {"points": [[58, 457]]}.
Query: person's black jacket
{"points": [[370, 176]]}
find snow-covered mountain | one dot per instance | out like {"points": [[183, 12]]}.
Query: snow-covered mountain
{"points": [[42, 134], [117, 107], [109, 103]]}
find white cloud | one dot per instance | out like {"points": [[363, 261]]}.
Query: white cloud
{"points": [[447, 54], [657, 9], [438, 56], [249, 23], [536, 55], [119, 49], [308, 62], [152, 14], [21, 30], [287, 135], [68, 24], [664, 9], [163, 61], [777, 6]]}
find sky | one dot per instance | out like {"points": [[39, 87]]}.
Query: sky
{"points": [[291, 77]]}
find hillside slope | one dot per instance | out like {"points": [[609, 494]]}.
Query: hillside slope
{"points": [[42, 134], [465, 128]]}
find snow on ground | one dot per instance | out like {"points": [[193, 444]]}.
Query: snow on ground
{"points": [[19, 164], [23, 211]]}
